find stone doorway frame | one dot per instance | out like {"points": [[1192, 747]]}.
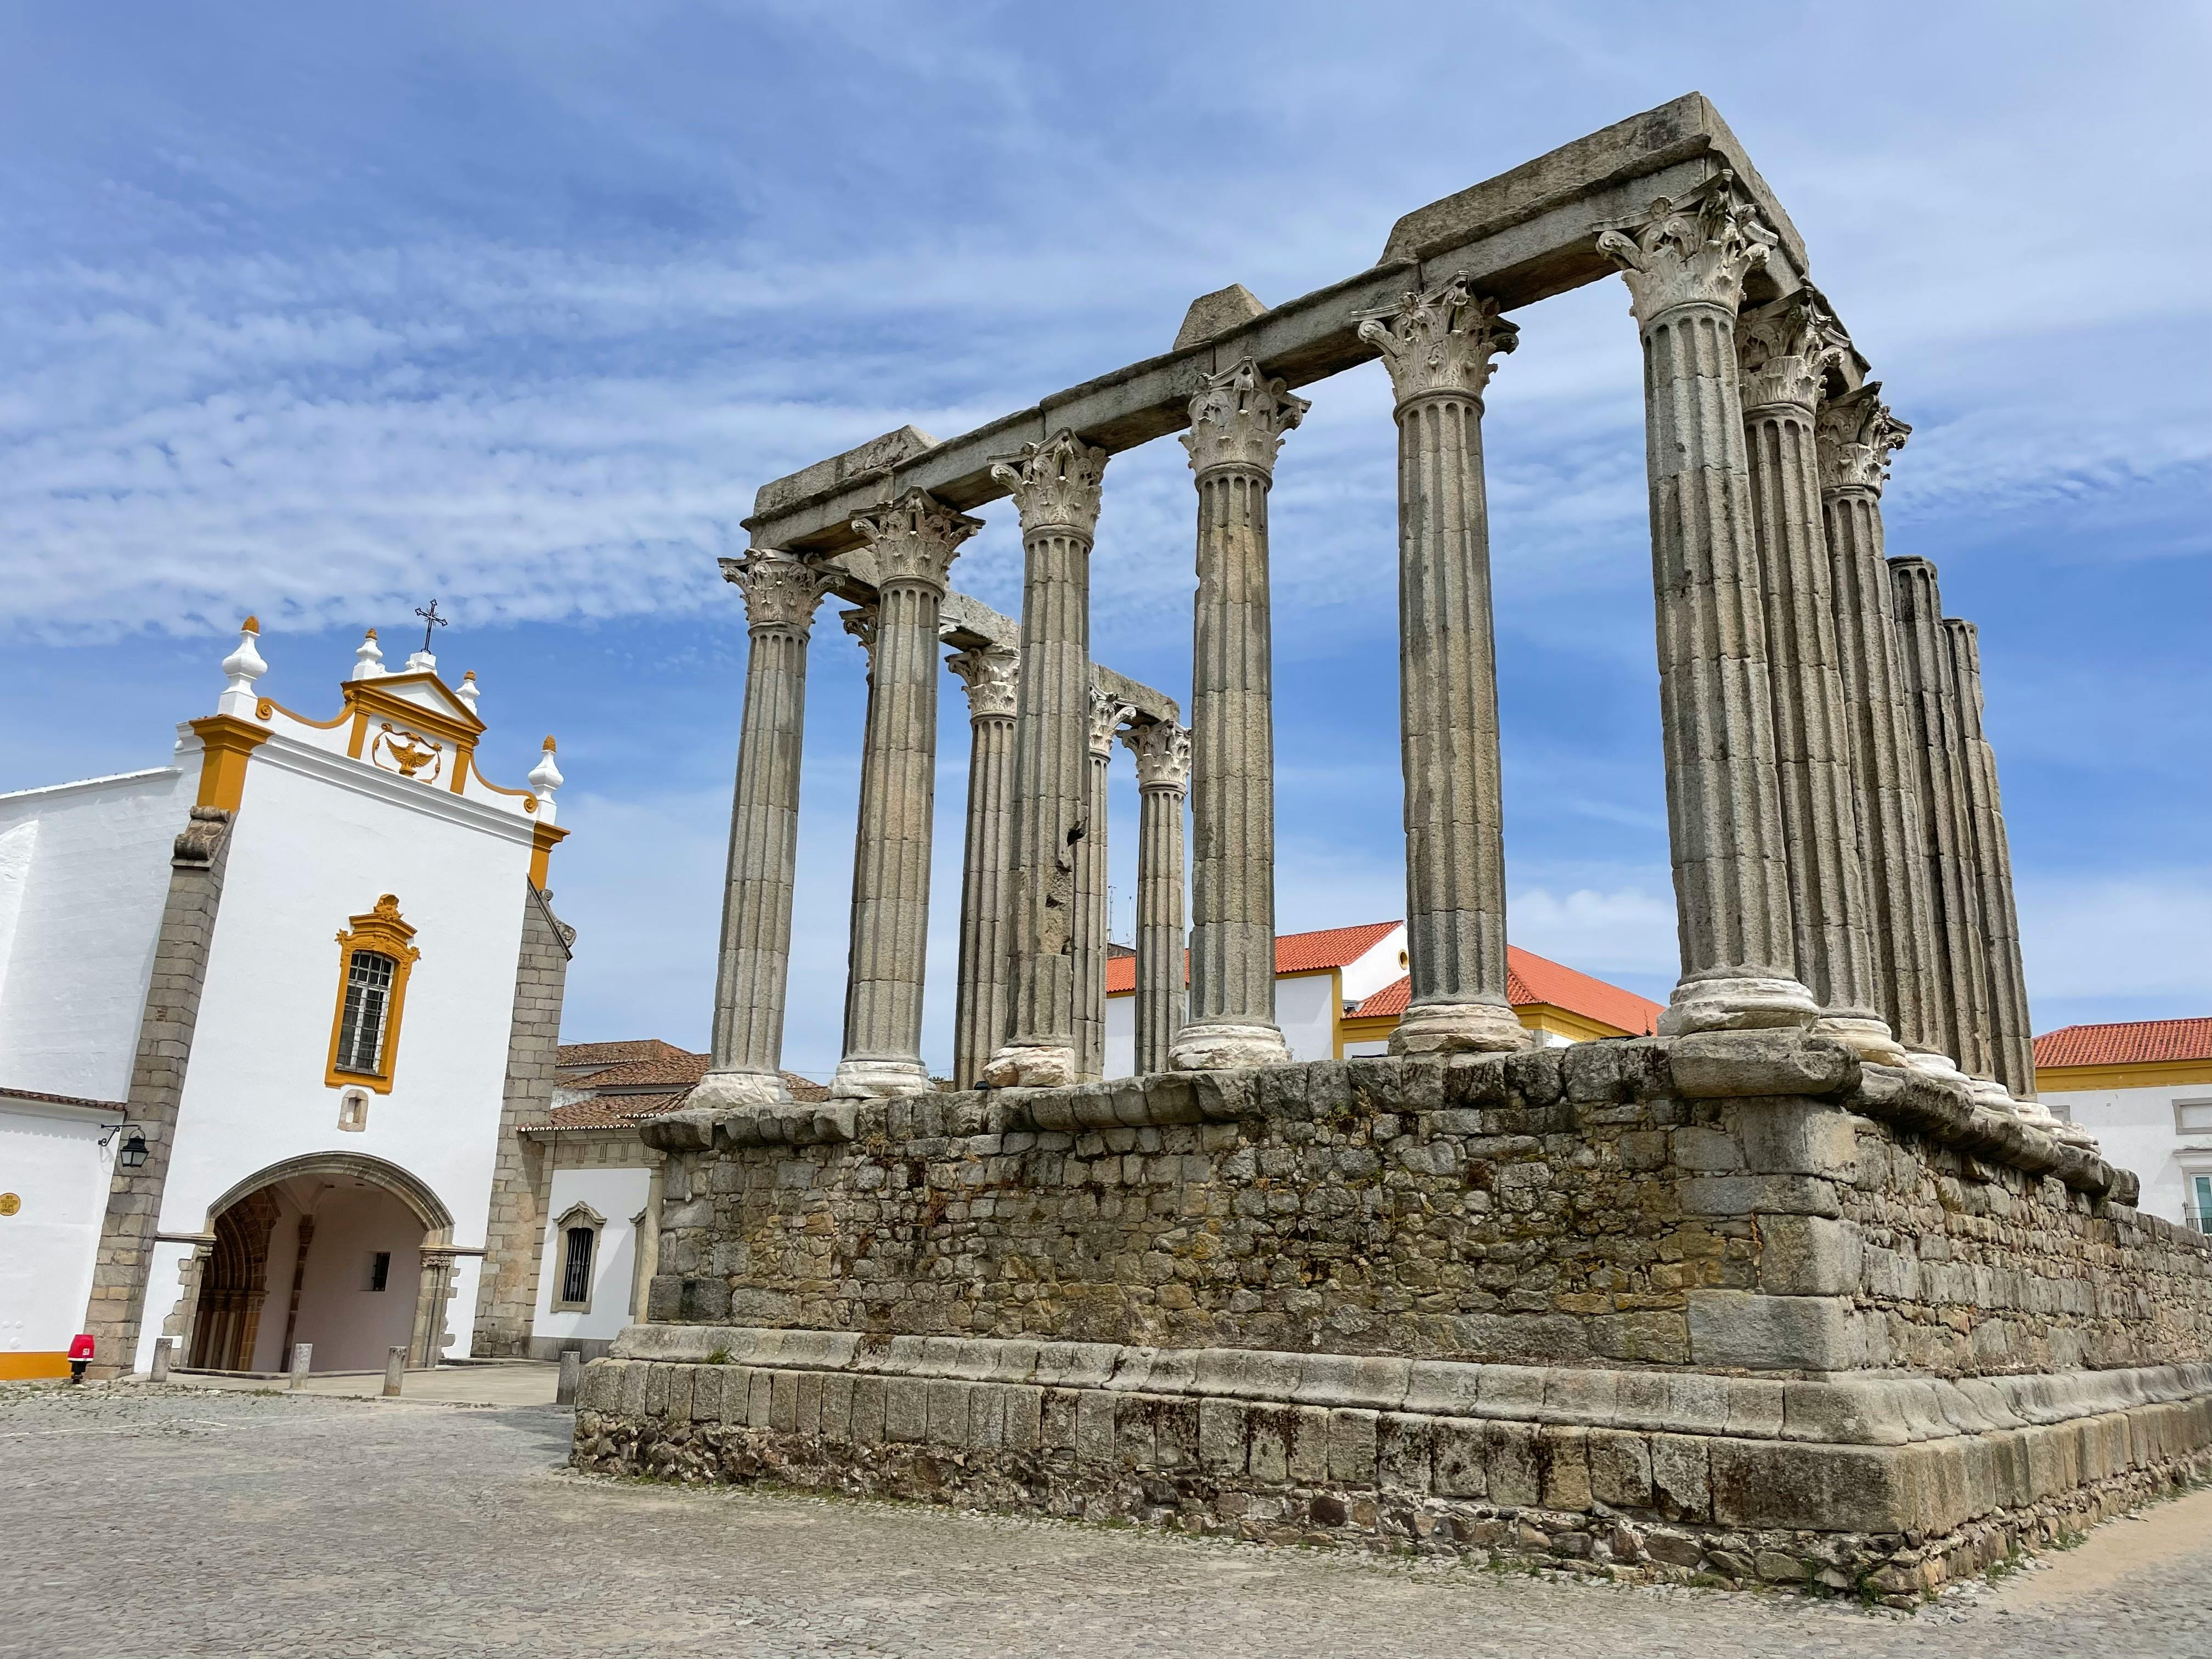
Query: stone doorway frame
{"points": [[435, 1284]]}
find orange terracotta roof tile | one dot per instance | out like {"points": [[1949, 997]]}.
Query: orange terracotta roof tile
{"points": [[2125, 1042], [614, 1054], [1295, 953], [1529, 979], [675, 1067]]}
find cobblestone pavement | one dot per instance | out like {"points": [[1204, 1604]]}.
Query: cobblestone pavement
{"points": [[145, 1521]]}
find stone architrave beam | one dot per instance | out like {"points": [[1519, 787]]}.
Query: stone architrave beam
{"points": [[1687, 266]]}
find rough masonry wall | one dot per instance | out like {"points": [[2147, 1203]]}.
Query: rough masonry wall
{"points": [[1598, 1205], [506, 1292]]}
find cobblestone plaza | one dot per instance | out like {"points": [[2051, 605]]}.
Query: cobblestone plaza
{"points": [[179, 1522]]}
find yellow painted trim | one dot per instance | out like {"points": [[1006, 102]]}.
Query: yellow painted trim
{"points": [[2139, 1074], [225, 743], [1335, 1011], [544, 838], [382, 931], [33, 1367], [529, 797], [1575, 1028], [269, 706], [374, 699]]}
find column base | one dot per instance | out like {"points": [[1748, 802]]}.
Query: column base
{"points": [[735, 1090], [1991, 1096], [1862, 1031], [1227, 1046], [1031, 1065], [1459, 1028], [879, 1077], [1737, 1000]]}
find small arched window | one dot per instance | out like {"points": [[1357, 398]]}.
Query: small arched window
{"points": [[375, 956]]}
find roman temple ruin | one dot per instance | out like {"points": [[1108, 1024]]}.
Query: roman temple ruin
{"points": [[1806, 1288]]}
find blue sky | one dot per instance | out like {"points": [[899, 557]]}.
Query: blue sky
{"points": [[317, 313]]}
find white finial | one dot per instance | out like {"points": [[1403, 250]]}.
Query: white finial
{"points": [[244, 666], [468, 690], [545, 778], [368, 658], [421, 662]]}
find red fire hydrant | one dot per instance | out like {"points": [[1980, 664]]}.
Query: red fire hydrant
{"points": [[80, 1356]]}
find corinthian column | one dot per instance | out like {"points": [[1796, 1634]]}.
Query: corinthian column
{"points": [[781, 596], [1785, 350], [1092, 924], [1856, 433], [2012, 1037], [913, 541], [1055, 487], [1440, 347], [1163, 752], [1960, 1000], [1237, 427], [1686, 267], [980, 1020]]}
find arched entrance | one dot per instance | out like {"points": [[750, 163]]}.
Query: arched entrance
{"points": [[340, 1251]]}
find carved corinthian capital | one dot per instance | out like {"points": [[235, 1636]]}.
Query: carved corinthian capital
{"points": [[1054, 484], [1239, 420], [1163, 752], [781, 591], [915, 539], [1445, 340], [861, 623], [1856, 433], [1696, 252], [1786, 350], [991, 671], [1106, 713]]}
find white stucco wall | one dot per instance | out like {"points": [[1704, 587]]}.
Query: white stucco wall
{"points": [[1381, 963], [51, 1158], [2136, 1129], [353, 1329], [317, 839], [1306, 1009], [1121, 1035], [619, 1195], [84, 870]]}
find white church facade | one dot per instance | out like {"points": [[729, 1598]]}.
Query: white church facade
{"points": [[269, 1016]]}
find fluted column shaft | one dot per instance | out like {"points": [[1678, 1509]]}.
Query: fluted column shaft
{"points": [[1785, 349], [979, 1016], [1163, 752], [2012, 1035], [1960, 1000], [1439, 348], [1093, 926], [1055, 486], [1237, 424], [914, 542], [754, 968], [1856, 434], [1685, 271]]}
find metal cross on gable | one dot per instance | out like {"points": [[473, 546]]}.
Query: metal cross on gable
{"points": [[430, 619]]}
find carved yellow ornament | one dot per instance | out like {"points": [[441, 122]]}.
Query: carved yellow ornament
{"points": [[9, 1203]]}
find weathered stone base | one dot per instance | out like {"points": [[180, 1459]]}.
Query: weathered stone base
{"points": [[1624, 1503]]}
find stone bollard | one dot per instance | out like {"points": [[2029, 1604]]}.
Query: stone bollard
{"points": [[572, 1374], [395, 1369], [303, 1354], [160, 1369]]}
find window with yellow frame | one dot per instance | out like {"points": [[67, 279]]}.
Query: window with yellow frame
{"points": [[375, 955]]}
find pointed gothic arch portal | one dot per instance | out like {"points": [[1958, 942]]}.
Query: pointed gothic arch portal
{"points": [[349, 1253]]}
